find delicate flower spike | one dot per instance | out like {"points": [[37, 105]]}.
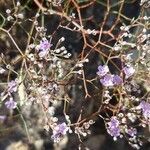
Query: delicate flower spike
{"points": [[107, 80], [59, 131], [11, 104], [129, 71], [145, 106], [43, 47], [117, 80], [102, 70], [113, 127], [12, 86]]}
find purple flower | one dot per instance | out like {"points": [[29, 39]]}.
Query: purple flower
{"points": [[113, 122], [117, 80], [132, 132], [145, 109], [59, 131], [12, 86], [102, 70], [129, 71], [113, 127], [107, 80], [44, 47], [11, 104]]}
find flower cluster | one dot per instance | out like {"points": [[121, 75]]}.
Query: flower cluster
{"points": [[11, 104], [53, 72], [43, 48], [145, 107], [59, 131], [117, 127], [102, 70], [108, 80], [8, 94], [12, 86], [113, 127], [131, 131], [129, 71]]}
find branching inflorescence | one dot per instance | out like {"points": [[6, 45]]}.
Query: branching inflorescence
{"points": [[67, 54]]}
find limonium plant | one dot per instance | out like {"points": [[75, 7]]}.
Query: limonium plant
{"points": [[63, 71]]}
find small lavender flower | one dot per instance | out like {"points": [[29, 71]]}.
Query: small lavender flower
{"points": [[117, 80], [59, 131], [102, 70], [129, 71], [44, 47], [11, 104], [113, 122], [12, 86], [113, 127], [107, 80], [145, 106], [132, 132]]}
